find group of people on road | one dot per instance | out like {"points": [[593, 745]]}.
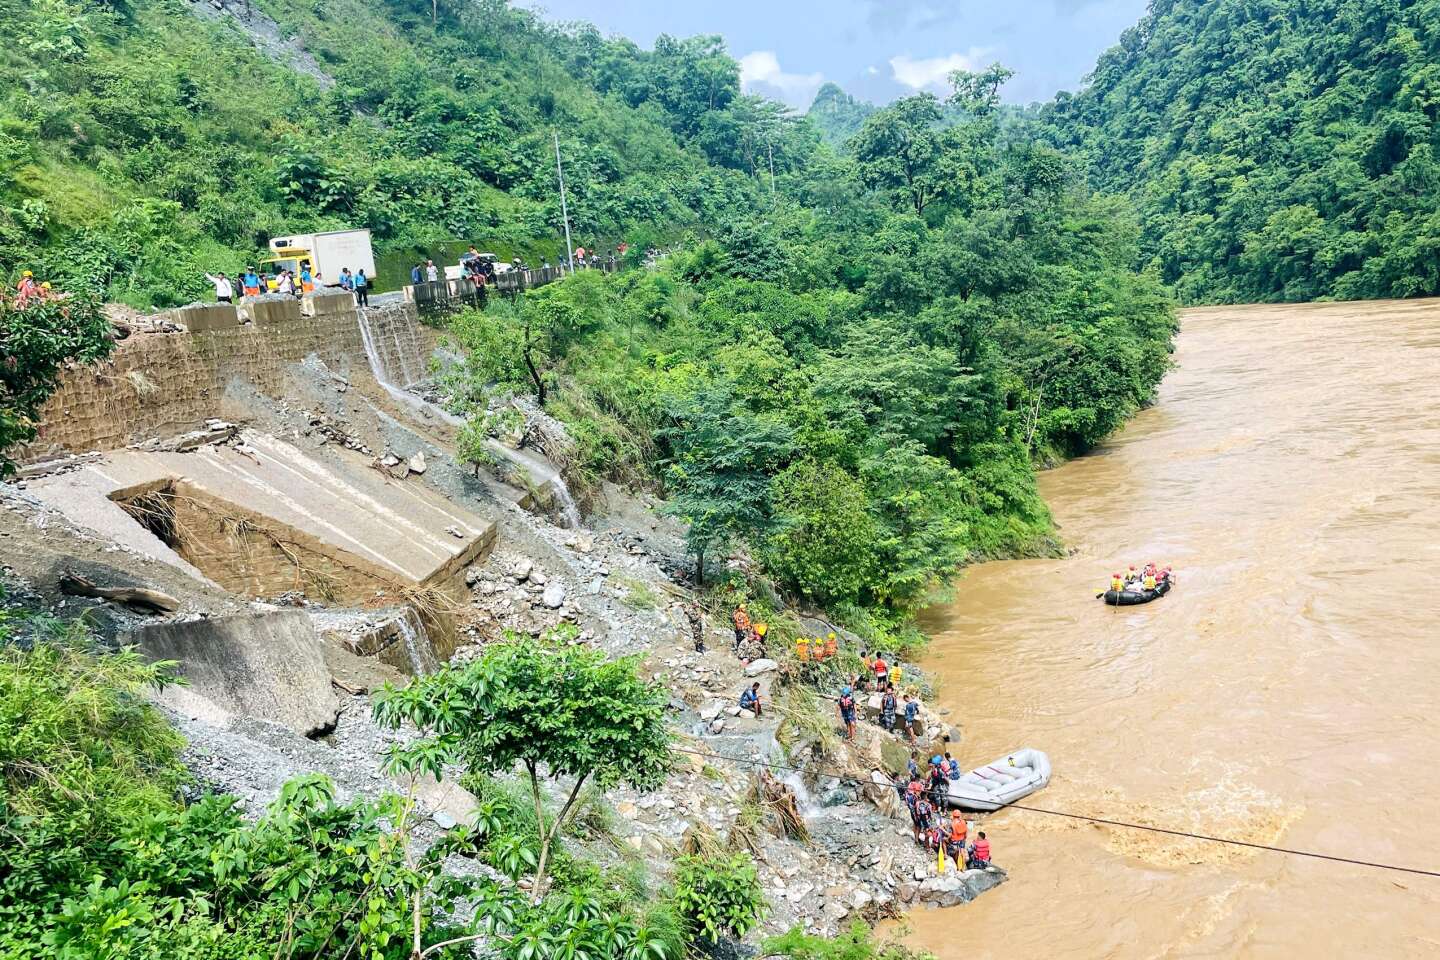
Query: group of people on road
{"points": [[252, 283]]}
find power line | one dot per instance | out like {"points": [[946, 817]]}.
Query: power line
{"points": [[844, 777]]}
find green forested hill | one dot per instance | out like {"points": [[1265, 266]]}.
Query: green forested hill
{"points": [[140, 146], [1277, 149], [849, 365], [837, 115]]}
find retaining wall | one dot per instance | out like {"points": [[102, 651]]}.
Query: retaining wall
{"points": [[162, 384]]}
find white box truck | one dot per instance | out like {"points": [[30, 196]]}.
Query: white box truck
{"points": [[327, 253]]}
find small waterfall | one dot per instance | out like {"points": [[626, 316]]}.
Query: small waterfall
{"points": [[805, 802], [373, 333], [377, 362], [537, 468], [417, 643], [569, 512], [775, 754]]}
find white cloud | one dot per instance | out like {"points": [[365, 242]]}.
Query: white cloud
{"points": [[933, 73], [761, 69], [872, 71]]}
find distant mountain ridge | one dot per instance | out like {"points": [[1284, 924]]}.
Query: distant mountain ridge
{"points": [[837, 115]]}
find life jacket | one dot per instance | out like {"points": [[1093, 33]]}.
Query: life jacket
{"points": [[982, 851], [895, 675], [802, 649], [880, 668], [742, 620], [830, 648], [1117, 584], [958, 827], [1149, 581]]}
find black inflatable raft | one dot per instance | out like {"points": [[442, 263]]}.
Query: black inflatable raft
{"points": [[1130, 598]]}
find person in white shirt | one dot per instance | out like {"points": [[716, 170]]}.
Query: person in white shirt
{"points": [[224, 289], [431, 273]]}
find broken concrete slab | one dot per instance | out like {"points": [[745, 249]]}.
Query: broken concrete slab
{"points": [[268, 666], [251, 516]]}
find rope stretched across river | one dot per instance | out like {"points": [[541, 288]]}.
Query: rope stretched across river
{"points": [[1311, 854]]}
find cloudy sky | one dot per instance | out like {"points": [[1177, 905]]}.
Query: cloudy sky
{"points": [[878, 49]]}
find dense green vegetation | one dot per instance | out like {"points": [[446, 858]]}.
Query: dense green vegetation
{"points": [[854, 379], [848, 371], [141, 147], [1277, 149], [35, 342], [108, 854]]}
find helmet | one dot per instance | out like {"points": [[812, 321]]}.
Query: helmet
{"points": [[844, 691], [27, 273], [45, 285], [830, 636], [760, 628]]}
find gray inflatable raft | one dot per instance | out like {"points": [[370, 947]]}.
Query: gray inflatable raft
{"points": [[1002, 781]]}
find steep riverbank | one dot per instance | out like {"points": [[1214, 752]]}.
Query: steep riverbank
{"points": [[325, 539], [1283, 692]]}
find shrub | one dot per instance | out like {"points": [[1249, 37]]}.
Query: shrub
{"points": [[718, 897]]}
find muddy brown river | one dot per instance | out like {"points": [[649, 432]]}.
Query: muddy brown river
{"points": [[1286, 692]]}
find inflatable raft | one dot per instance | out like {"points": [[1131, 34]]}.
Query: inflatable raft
{"points": [[1129, 598], [1006, 780]]}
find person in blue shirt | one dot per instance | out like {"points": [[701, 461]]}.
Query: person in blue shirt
{"points": [[250, 285], [953, 765], [362, 288], [417, 275], [347, 282], [912, 710], [750, 699], [307, 281]]}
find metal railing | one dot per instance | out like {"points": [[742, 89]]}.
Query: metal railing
{"points": [[443, 294]]}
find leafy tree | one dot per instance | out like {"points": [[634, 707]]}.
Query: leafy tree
{"points": [[978, 94], [899, 149], [825, 538], [36, 341], [557, 711], [718, 478]]}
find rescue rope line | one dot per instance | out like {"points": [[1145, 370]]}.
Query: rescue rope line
{"points": [[1397, 868]]}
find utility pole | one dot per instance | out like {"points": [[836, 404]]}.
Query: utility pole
{"points": [[564, 206], [771, 145]]}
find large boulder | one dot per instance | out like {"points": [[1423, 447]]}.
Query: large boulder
{"points": [[267, 666]]}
